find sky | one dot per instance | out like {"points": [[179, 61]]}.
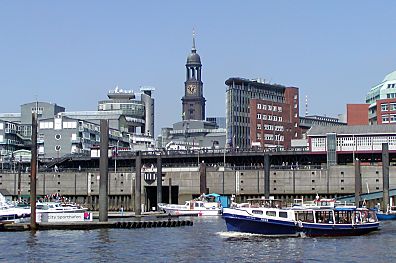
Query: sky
{"points": [[73, 52]]}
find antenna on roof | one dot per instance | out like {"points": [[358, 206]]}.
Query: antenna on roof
{"points": [[306, 105]]}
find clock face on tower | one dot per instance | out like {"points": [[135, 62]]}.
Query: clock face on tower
{"points": [[191, 89]]}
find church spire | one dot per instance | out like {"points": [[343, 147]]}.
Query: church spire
{"points": [[193, 50]]}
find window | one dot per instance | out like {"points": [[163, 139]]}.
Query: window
{"points": [[271, 213], [46, 125], [264, 107], [258, 136], [279, 109], [69, 125], [258, 126], [392, 107], [58, 137], [259, 106], [257, 212], [269, 107], [295, 97], [280, 118], [295, 105], [275, 118], [385, 119], [384, 107], [283, 214], [275, 108], [259, 116], [57, 148], [264, 117], [270, 117]]}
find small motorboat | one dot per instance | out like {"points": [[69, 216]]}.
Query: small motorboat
{"points": [[205, 205]]}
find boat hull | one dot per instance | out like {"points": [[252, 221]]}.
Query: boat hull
{"points": [[253, 225], [382, 217], [310, 229], [188, 212]]}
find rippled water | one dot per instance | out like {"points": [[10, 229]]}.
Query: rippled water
{"points": [[206, 241]]}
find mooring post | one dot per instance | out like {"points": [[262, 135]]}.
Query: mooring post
{"points": [[266, 176], [385, 175], [202, 178], [170, 190], [33, 173], [19, 178], [138, 184], [159, 180], [104, 171], [358, 183]]}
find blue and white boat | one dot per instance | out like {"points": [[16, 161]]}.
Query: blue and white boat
{"points": [[313, 220], [390, 213]]}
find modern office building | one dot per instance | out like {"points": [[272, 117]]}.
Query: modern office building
{"points": [[261, 114], [382, 101], [139, 114], [131, 122]]}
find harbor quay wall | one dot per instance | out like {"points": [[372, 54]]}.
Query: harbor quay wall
{"points": [[83, 186]]}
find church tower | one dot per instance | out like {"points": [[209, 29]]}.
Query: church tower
{"points": [[193, 102]]}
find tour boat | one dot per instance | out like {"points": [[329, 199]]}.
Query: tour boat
{"points": [[314, 220], [205, 205]]}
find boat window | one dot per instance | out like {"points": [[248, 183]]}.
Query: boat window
{"points": [[305, 216], [257, 212], [283, 214], [271, 213], [324, 217], [343, 217]]}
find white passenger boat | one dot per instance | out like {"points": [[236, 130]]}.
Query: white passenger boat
{"points": [[205, 205]]}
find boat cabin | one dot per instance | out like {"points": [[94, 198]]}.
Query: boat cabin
{"points": [[335, 216]]}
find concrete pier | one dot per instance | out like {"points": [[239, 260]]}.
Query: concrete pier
{"points": [[385, 175], [159, 180], [358, 183], [104, 171], [138, 183]]}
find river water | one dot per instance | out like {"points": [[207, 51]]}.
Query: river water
{"points": [[206, 241]]}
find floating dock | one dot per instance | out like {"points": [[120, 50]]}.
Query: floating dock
{"points": [[13, 227]]}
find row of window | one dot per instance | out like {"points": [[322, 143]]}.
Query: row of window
{"points": [[269, 107], [269, 117], [389, 118], [270, 137], [269, 127], [384, 107], [391, 86]]}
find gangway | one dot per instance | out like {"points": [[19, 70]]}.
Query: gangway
{"points": [[367, 196]]}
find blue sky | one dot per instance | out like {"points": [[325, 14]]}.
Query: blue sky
{"points": [[73, 52]]}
